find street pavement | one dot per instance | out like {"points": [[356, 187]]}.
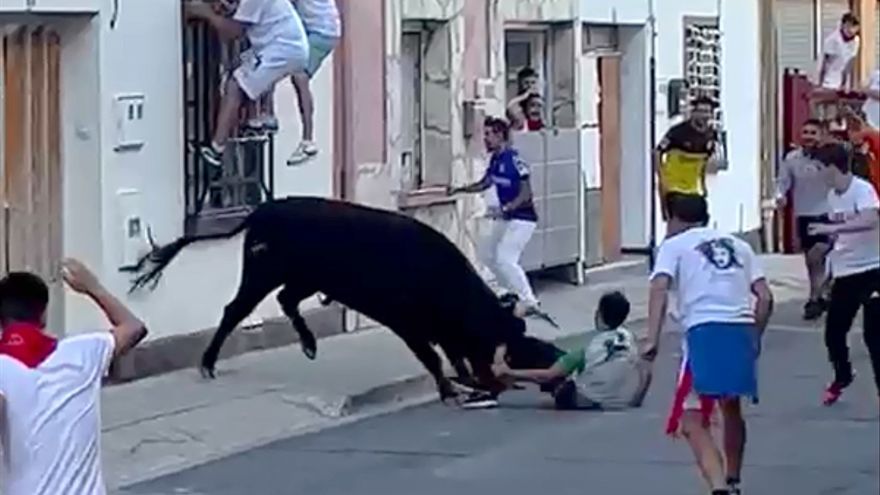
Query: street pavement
{"points": [[524, 447]]}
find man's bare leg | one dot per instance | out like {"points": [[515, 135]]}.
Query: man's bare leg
{"points": [[709, 460], [734, 438], [227, 119], [815, 260], [306, 149]]}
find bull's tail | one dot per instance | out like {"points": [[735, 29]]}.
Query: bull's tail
{"points": [[161, 256]]}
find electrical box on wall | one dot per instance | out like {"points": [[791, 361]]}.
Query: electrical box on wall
{"points": [[486, 98], [130, 113], [132, 228]]}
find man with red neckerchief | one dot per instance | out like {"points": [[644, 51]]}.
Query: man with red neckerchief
{"points": [[50, 389]]}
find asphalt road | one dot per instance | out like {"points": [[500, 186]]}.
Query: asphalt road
{"points": [[526, 448]]}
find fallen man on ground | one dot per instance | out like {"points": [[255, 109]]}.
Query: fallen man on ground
{"points": [[606, 373]]}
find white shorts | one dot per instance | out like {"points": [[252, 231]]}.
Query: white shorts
{"points": [[259, 72]]}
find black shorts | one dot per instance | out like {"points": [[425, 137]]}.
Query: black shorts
{"points": [[803, 231]]}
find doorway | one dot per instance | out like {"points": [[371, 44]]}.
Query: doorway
{"points": [[609, 152], [30, 158]]}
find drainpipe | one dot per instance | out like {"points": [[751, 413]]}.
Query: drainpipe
{"points": [[652, 132]]}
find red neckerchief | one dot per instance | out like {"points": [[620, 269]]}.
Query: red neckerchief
{"points": [[26, 343], [534, 124], [846, 37]]}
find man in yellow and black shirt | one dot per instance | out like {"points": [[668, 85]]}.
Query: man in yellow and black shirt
{"points": [[682, 154]]}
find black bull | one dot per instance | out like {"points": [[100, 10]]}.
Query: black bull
{"points": [[390, 267]]}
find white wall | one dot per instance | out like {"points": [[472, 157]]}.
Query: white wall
{"points": [[635, 177], [615, 11], [735, 201], [734, 193], [133, 59]]}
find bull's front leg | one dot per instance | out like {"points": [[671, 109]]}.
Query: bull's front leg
{"points": [[431, 361]]}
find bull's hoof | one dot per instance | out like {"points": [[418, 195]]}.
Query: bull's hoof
{"points": [[207, 372], [310, 350]]}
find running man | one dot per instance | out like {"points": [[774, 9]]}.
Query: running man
{"points": [[714, 276], [801, 174], [515, 218], [279, 48], [50, 389], [682, 155], [855, 265], [323, 29]]}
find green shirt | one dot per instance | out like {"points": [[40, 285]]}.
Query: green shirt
{"points": [[605, 368]]}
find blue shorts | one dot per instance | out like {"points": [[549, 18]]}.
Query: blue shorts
{"points": [[723, 358], [320, 47]]}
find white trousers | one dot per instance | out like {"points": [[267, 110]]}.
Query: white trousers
{"points": [[501, 252]]}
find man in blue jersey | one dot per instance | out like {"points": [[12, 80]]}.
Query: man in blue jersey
{"points": [[515, 214]]}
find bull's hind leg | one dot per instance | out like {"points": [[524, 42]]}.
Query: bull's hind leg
{"points": [[289, 299], [259, 278]]}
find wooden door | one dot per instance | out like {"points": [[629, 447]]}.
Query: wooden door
{"points": [[609, 145], [30, 157]]}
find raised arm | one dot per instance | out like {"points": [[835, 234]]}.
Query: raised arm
{"points": [[127, 329]]}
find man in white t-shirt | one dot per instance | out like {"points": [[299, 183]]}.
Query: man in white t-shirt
{"points": [[872, 101], [278, 48], [839, 51], [854, 211], [50, 389], [714, 277]]}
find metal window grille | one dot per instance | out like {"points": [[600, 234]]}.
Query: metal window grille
{"points": [[245, 177], [702, 46]]}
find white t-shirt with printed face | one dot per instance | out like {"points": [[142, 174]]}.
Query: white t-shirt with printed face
{"points": [[854, 252], [272, 23], [872, 105], [840, 53], [712, 275], [320, 17], [52, 445]]}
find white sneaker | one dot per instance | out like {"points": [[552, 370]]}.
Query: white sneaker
{"points": [[303, 152]]}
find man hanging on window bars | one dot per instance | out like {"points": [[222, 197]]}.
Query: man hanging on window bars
{"points": [[279, 47]]}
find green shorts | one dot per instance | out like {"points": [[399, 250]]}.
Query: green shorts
{"points": [[320, 47]]}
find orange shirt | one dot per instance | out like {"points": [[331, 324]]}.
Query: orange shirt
{"points": [[871, 138]]}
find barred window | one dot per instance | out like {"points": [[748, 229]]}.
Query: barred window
{"points": [[702, 61], [217, 197]]}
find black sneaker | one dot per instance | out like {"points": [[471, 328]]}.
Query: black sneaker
{"points": [[480, 400], [813, 310], [211, 156], [733, 487]]}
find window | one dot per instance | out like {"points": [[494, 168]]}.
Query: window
{"points": [[426, 105], [218, 197], [412, 87], [702, 61], [525, 48]]}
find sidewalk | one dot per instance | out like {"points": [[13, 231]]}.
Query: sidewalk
{"points": [[170, 422]]}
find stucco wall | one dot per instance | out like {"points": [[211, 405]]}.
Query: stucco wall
{"points": [[100, 63]]}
